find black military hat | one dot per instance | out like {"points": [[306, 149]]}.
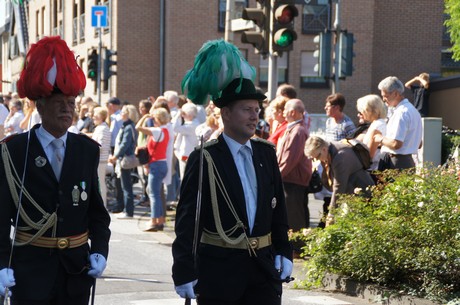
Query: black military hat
{"points": [[238, 89]]}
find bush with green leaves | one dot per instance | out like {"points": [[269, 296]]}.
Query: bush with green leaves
{"points": [[406, 237]]}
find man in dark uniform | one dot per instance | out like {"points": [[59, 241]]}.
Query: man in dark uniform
{"points": [[244, 253], [60, 203]]}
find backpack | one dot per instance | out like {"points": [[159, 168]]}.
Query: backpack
{"points": [[361, 151]]}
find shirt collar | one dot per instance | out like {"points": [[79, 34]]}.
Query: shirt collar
{"points": [[46, 138], [235, 146], [289, 125]]}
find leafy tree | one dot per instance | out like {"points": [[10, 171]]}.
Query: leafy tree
{"points": [[453, 26]]}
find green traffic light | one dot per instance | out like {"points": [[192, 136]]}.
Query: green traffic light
{"points": [[285, 39], [91, 74]]}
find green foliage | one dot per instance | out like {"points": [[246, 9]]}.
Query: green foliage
{"points": [[449, 142], [453, 25], [406, 237]]}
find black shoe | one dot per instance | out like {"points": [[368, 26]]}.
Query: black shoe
{"points": [[115, 211], [321, 225], [154, 228]]}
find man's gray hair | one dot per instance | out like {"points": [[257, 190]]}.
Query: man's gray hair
{"points": [[190, 109], [391, 84], [171, 96]]}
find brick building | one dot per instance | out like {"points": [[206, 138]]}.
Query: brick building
{"points": [[156, 42]]}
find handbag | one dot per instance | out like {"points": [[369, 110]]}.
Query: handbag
{"points": [[142, 154], [315, 184], [129, 162]]}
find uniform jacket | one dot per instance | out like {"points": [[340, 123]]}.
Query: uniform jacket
{"points": [[294, 165], [35, 268], [221, 268], [346, 171]]}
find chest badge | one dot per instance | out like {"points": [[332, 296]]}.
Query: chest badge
{"points": [[84, 194], [40, 161], [75, 195], [274, 202]]}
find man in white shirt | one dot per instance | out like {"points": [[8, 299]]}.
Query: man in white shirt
{"points": [[404, 129]]}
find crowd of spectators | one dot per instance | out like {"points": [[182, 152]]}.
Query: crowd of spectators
{"points": [[170, 127]]}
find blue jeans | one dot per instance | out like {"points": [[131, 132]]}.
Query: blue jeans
{"points": [[127, 187], [158, 170], [173, 188]]}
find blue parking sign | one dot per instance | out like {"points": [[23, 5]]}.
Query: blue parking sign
{"points": [[99, 16]]}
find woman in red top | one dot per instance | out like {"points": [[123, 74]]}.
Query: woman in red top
{"points": [[157, 145], [277, 106]]}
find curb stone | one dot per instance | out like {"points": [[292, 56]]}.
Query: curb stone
{"points": [[372, 293]]}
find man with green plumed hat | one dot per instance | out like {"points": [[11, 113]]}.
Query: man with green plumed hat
{"points": [[243, 254]]}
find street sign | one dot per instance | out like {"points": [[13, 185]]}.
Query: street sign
{"points": [[242, 25], [312, 2], [99, 16]]}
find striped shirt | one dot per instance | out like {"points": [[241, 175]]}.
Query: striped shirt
{"points": [[339, 131], [102, 135]]}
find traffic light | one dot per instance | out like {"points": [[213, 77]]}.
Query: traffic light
{"points": [[92, 64], [259, 37], [284, 35], [323, 53], [109, 62], [346, 41]]}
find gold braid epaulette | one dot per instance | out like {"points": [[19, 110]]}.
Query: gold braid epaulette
{"points": [[260, 140], [207, 144]]}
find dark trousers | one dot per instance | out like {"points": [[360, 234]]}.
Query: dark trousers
{"points": [[326, 203], [62, 292], [391, 161], [259, 291], [297, 206]]}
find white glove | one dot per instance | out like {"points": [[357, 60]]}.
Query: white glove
{"points": [[284, 266], [98, 264], [186, 290], [6, 280]]}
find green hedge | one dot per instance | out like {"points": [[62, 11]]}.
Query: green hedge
{"points": [[449, 142], [406, 237]]}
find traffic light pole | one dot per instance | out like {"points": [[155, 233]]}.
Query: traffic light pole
{"points": [[272, 59], [229, 9], [99, 68], [337, 29]]}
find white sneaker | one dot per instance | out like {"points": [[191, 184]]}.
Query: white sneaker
{"points": [[124, 216]]}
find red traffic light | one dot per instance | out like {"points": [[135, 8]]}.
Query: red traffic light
{"points": [[285, 14]]}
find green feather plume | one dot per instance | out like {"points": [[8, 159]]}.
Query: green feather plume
{"points": [[216, 65]]}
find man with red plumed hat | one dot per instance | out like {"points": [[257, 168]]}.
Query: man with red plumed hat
{"points": [[50, 191]]}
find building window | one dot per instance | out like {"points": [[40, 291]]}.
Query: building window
{"points": [[14, 47], [42, 23], [315, 18], [55, 17], [308, 77], [283, 63], [239, 6]]}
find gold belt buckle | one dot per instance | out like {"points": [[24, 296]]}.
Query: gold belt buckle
{"points": [[63, 243], [254, 243]]}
